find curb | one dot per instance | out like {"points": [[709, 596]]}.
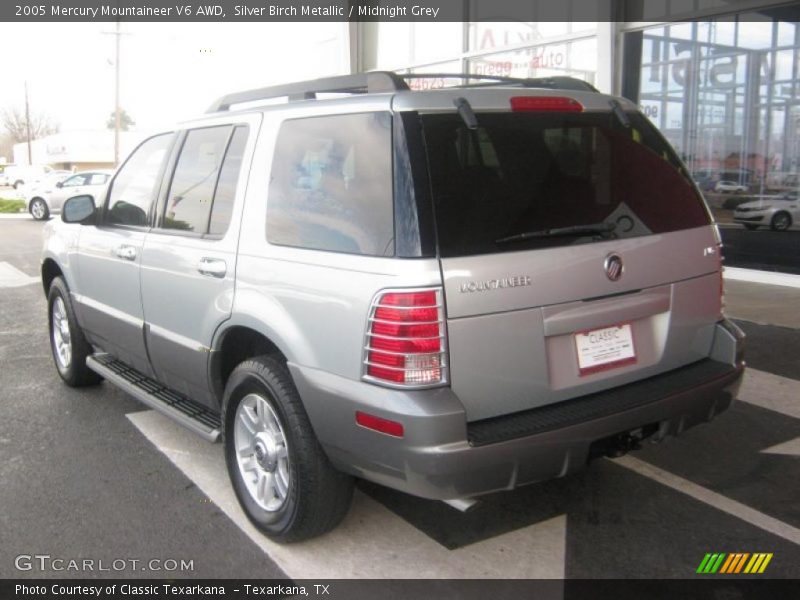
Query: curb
{"points": [[767, 277]]}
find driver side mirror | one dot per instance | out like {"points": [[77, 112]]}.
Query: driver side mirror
{"points": [[60, 184], [79, 209]]}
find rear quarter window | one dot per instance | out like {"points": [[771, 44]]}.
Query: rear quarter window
{"points": [[331, 185]]}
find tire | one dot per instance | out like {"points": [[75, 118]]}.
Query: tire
{"points": [[781, 221], [282, 478], [39, 209], [67, 342], [750, 226]]}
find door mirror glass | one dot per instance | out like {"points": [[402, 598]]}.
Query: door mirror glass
{"points": [[78, 209]]}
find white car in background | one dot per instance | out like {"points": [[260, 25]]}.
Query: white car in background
{"points": [[18, 176], [729, 186], [47, 196], [779, 213]]}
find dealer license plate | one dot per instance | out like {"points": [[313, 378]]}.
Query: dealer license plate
{"points": [[606, 348]]}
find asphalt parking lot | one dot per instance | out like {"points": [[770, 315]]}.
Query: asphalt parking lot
{"points": [[92, 474]]}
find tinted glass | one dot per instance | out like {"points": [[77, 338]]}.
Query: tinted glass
{"points": [[192, 189], [226, 186], [525, 173], [331, 185], [136, 184], [97, 179], [76, 180]]}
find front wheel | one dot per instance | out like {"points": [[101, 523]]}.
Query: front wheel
{"points": [[781, 221], [282, 478], [39, 210], [67, 341]]}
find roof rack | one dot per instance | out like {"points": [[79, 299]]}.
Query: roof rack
{"points": [[374, 82]]}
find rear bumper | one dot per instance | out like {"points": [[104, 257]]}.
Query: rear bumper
{"points": [[444, 457]]}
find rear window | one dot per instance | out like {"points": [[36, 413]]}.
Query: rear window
{"points": [[524, 180]]}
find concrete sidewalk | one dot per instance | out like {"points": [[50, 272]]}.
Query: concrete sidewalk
{"points": [[763, 303]]}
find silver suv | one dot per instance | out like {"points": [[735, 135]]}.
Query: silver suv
{"points": [[447, 292]]}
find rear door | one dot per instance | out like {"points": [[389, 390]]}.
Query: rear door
{"points": [[189, 258], [575, 251]]}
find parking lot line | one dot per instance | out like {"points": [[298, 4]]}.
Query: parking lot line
{"points": [[772, 392], [10, 276], [372, 542], [718, 501]]}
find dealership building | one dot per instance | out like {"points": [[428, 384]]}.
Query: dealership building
{"points": [[721, 83]]}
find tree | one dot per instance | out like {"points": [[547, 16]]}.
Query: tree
{"points": [[125, 121], [13, 121], [6, 147]]}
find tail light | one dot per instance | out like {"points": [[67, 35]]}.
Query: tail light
{"points": [[545, 104], [405, 345]]}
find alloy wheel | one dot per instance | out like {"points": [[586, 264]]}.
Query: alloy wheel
{"points": [[62, 339], [262, 452]]}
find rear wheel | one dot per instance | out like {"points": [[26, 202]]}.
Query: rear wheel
{"points": [[67, 341], [281, 476], [39, 210], [781, 221]]}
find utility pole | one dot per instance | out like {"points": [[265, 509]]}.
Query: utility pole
{"points": [[116, 98], [117, 121], [28, 125]]}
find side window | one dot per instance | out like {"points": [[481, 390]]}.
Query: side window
{"points": [[75, 181], [226, 186], [192, 189], [97, 179], [331, 185], [136, 183]]}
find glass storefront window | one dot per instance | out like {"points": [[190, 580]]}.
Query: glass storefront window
{"points": [[488, 36], [726, 94], [575, 59], [436, 83], [401, 44], [755, 35]]}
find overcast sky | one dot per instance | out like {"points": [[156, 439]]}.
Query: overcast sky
{"points": [[169, 72]]}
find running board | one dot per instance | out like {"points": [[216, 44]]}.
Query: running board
{"points": [[181, 409]]}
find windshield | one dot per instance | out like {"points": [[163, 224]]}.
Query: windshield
{"points": [[524, 180]]}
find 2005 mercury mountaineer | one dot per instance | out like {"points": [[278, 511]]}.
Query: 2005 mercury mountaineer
{"points": [[447, 292]]}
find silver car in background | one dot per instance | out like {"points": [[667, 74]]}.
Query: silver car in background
{"points": [[47, 196], [779, 213]]}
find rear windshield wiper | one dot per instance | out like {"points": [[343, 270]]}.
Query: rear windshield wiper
{"points": [[599, 228]]}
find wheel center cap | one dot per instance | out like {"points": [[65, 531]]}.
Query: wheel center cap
{"points": [[266, 453]]}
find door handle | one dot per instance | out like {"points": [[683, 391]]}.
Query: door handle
{"points": [[126, 252], [213, 267]]}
